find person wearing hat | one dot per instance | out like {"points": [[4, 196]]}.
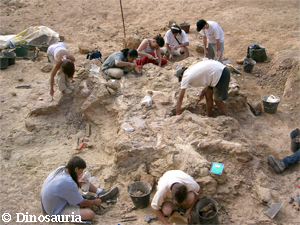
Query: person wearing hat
{"points": [[212, 75], [176, 41], [213, 35]]}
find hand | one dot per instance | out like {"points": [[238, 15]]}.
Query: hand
{"points": [[132, 65], [205, 51], [176, 47], [170, 56], [151, 57], [98, 201], [219, 54], [81, 180], [51, 92], [188, 215]]}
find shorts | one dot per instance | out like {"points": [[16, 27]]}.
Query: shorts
{"points": [[221, 89], [173, 51], [68, 209]]}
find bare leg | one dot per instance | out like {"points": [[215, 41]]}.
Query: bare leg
{"points": [[209, 101], [92, 188], [167, 208], [222, 107], [86, 214]]}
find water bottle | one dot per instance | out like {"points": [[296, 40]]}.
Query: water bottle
{"points": [[86, 186]]}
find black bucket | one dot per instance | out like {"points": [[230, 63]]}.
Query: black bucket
{"points": [[11, 57], [270, 107], [140, 188], [248, 65], [204, 202], [3, 63], [295, 145]]}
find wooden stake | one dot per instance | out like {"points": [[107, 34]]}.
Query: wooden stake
{"points": [[123, 19]]}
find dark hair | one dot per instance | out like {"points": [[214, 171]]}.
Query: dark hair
{"points": [[179, 192], [160, 41], [68, 67], [76, 161], [131, 52], [175, 29]]}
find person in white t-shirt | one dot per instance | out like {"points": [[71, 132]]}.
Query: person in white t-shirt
{"points": [[176, 41], [213, 35], [210, 74], [175, 189]]}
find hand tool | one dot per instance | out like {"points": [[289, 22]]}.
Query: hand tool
{"points": [[83, 141], [272, 210], [128, 217], [148, 219], [24, 86], [112, 201], [127, 220], [194, 106], [291, 200], [83, 222], [254, 111]]}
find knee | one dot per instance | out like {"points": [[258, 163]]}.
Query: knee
{"points": [[87, 214], [167, 211]]}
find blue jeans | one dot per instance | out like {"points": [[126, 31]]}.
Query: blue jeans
{"points": [[292, 159]]}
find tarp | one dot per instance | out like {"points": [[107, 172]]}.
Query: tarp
{"points": [[26, 36]]}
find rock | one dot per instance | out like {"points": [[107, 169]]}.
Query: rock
{"points": [[85, 50], [111, 91], [83, 73], [263, 193], [46, 67], [147, 178], [132, 42], [44, 108], [171, 22], [200, 48], [30, 125], [240, 61], [13, 94]]}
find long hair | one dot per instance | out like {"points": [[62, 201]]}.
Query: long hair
{"points": [[74, 162], [131, 52], [159, 39]]}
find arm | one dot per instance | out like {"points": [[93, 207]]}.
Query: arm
{"points": [[160, 216], [202, 93], [205, 44], [53, 73], [185, 44], [179, 101], [169, 50], [143, 46], [88, 203], [122, 63], [218, 48], [188, 211], [159, 56]]}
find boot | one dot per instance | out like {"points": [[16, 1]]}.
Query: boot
{"points": [[277, 165]]}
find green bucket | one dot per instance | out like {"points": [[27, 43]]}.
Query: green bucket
{"points": [[21, 51]]}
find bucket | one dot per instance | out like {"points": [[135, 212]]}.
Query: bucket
{"points": [[213, 219], [270, 106], [11, 57], [21, 51], [185, 26], [140, 193], [3, 63], [248, 65], [295, 145]]}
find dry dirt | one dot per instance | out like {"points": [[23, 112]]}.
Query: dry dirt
{"points": [[28, 156]]}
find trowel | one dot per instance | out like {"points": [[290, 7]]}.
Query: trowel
{"points": [[271, 209]]}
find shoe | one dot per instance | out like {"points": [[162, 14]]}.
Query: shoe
{"points": [[89, 197], [109, 194], [67, 91], [277, 165], [70, 87]]}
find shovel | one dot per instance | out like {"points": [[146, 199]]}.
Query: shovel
{"points": [[272, 210]]}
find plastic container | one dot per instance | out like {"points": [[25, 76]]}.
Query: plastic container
{"points": [[86, 186], [214, 218], [270, 106], [248, 65], [3, 63], [21, 51], [185, 26], [144, 189], [295, 145], [11, 57]]}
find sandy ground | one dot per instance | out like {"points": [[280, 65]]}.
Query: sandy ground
{"points": [[28, 157]]}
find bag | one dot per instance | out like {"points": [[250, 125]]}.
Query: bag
{"points": [[95, 55], [256, 53]]}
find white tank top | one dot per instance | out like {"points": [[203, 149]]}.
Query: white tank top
{"points": [[55, 48], [148, 49]]}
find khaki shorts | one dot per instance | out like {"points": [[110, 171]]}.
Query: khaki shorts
{"points": [[68, 209]]}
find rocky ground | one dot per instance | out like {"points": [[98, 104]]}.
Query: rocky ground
{"points": [[38, 136]]}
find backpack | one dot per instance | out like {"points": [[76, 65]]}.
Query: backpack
{"points": [[95, 55], [256, 53]]}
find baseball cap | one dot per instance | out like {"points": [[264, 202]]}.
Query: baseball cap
{"points": [[179, 72], [200, 24]]}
